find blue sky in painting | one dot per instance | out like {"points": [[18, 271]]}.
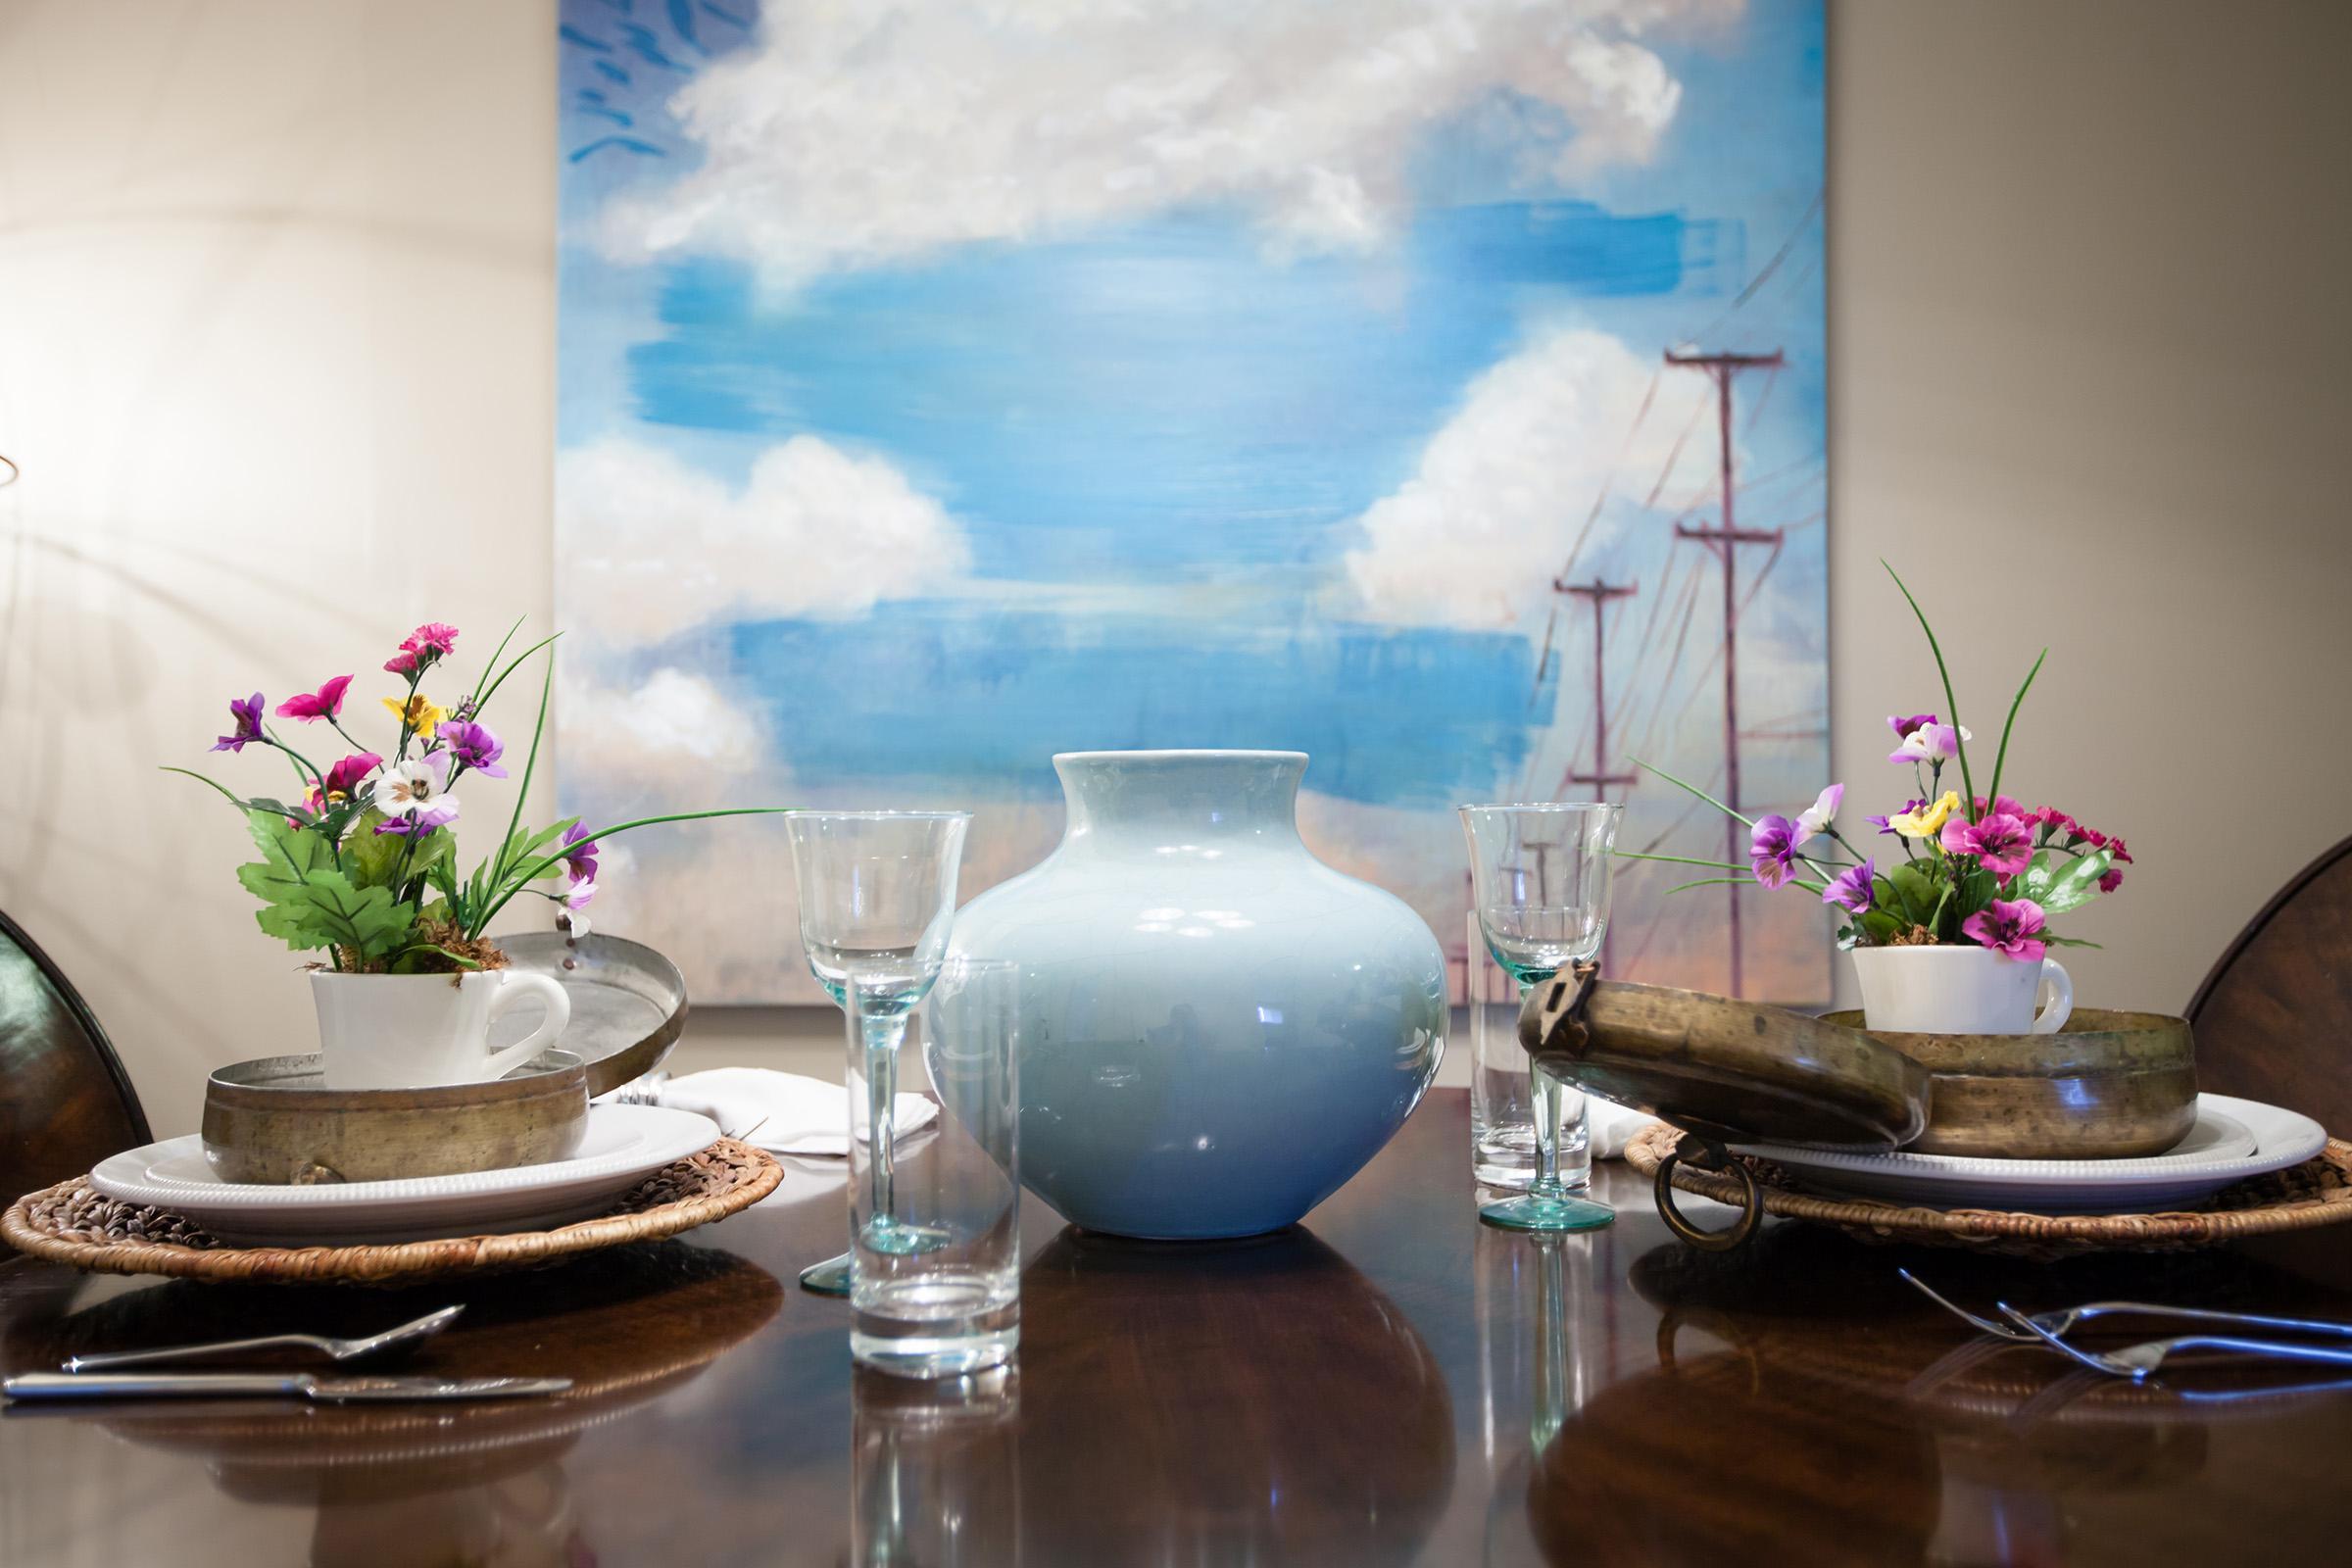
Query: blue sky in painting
{"points": [[1159, 437]]}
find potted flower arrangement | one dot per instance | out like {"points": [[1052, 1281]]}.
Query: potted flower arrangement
{"points": [[1950, 924], [361, 867]]}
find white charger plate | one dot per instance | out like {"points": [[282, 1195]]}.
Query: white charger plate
{"points": [[622, 1147], [2232, 1140]]}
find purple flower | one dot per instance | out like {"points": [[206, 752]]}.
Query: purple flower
{"points": [[1904, 727], [1880, 822], [475, 745], [1849, 890], [2001, 843], [2013, 927], [1772, 850], [247, 716], [579, 855], [420, 820]]}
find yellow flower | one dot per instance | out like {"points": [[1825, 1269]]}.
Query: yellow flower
{"points": [[1927, 820], [417, 713]]}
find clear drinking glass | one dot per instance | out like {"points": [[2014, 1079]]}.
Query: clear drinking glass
{"points": [[950, 1306], [1502, 1099], [877, 892], [1540, 881]]}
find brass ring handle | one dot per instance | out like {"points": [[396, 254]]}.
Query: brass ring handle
{"points": [[1751, 1207]]}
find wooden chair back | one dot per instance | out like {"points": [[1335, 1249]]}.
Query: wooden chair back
{"points": [[65, 1101], [2274, 1018]]}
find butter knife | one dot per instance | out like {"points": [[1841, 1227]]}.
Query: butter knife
{"points": [[267, 1385]]}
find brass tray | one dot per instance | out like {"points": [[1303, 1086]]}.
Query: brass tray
{"points": [[1723, 1071], [629, 1002], [274, 1121]]}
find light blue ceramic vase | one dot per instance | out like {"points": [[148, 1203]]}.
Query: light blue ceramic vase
{"points": [[1217, 1029]]}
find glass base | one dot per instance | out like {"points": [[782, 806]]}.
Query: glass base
{"points": [[1531, 1212], [829, 1278], [898, 1238], [947, 1326]]}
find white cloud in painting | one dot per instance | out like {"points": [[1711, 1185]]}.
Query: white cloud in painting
{"points": [[1474, 538], [856, 132], [675, 734], [654, 546]]}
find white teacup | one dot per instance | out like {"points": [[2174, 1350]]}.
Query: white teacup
{"points": [[420, 1031], [1961, 991]]}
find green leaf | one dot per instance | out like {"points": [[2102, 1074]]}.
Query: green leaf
{"points": [[307, 901], [1915, 891], [2066, 942], [1881, 926], [2059, 881], [367, 919], [2074, 886]]}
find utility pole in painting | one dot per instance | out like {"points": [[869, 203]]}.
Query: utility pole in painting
{"points": [[1727, 540], [1601, 778]]}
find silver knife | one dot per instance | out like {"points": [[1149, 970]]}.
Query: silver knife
{"points": [[267, 1385]]}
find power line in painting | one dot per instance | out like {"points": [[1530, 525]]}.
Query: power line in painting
{"points": [[1649, 640]]}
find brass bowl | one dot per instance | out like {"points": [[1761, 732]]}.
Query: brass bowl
{"points": [[2107, 1086], [272, 1120]]}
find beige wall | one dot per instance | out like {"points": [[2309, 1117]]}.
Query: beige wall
{"points": [[275, 351]]}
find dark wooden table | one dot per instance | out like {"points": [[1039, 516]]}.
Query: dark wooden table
{"points": [[1389, 1382]]}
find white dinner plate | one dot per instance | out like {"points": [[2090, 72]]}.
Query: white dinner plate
{"points": [[2232, 1140], [622, 1146]]}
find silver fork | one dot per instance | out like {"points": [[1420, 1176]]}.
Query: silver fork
{"points": [[2138, 1362], [2064, 1319], [337, 1350]]}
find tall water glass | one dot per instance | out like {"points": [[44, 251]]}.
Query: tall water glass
{"points": [[877, 896], [1503, 1097], [953, 1304], [1541, 878]]}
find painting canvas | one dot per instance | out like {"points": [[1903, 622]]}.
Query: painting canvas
{"points": [[1433, 386]]}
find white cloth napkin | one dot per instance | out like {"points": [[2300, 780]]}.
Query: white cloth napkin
{"points": [[1609, 1126], [784, 1113]]}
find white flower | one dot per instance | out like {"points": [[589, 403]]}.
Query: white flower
{"points": [[1930, 743], [1816, 819], [406, 786]]}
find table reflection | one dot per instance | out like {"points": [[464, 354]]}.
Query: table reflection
{"points": [[1253, 1402], [395, 1484], [935, 1474], [1805, 1405]]}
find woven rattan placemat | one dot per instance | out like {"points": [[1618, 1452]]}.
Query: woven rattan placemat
{"points": [[2318, 1192], [74, 1223]]}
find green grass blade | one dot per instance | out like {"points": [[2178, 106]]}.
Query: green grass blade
{"points": [[1684, 785], [2000, 759], [1951, 702]]}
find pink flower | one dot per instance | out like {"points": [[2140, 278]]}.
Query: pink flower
{"points": [[2003, 806], [2002, 844], [2011, 927], [325, 702], [2111, 881], [2121, 856], [344, 777], [421, 647]]}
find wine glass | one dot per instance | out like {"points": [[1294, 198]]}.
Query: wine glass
{"points": [[877, 896], [1540, 875]]}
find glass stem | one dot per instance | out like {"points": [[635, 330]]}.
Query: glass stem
{"points": [[1546, 1094], [883, 1037], [1549, 1095]]}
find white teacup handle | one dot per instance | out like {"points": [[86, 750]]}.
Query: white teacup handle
{"points": [[2056, 997], [513, 989]]}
